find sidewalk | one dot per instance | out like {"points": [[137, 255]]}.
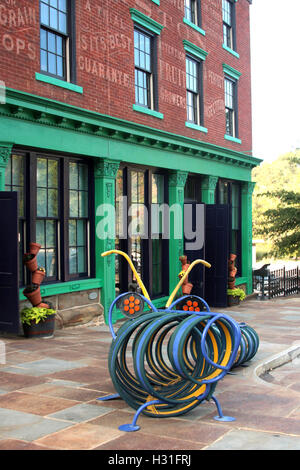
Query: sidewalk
{"points": [[49, 390]]}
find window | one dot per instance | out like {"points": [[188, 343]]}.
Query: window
{"points": [[230, 106], [143, 69], [54, 211], [229, 192], [228, 10], [192, 13], [140, 189], [194, 102], [56, 38]]}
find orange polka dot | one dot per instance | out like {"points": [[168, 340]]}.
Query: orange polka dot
{"points": [[126, 308], [131, 298], [195, 304], [131, 305], [131, 311], [126, 301], [136, 308], [185, 308], [191, 309], [137, 301], [197, 309], [189, 303]]}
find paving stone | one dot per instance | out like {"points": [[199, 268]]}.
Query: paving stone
{"points": [[42, 367], [251, 440], [79, 413]]}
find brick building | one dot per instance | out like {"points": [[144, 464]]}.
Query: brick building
{"points": [[145, 101]]}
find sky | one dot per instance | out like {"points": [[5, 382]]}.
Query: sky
{"points": [[275, 63]]}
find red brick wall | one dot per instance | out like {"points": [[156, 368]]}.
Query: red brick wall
{"points": [[105, 61]]}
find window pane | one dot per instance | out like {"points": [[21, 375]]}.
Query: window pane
{"points": [[52, 203], [74, 205], [53, 18], [53, 173], [50, 233], [44, 65], [41, 172], [81, 260], [51, 262], [60, 71], [52, 63], [73, 175], [44, 14], [40, 232], [83, 204], [83, 177], [41, 202], [62, 18], [81, 233], [72, 233], [73, 260], [62, 5]]}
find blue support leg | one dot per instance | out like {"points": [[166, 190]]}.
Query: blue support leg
{"points": [[109, 397], [221, 417], [133, 426]]}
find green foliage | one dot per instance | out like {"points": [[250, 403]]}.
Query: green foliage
{"points": [[276, 204], [236, 293], [35, 314]]}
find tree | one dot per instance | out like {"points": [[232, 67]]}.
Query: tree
{"points": [[276, 204]]}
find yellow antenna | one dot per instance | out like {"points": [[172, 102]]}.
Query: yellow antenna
{"points": [[197, 261], [139, 281]]}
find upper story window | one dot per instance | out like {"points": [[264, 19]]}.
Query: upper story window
{"points": [[146, 33], [143, 69], [230, 106], [192, 90], [228, 9], [192, 14], [55, 38]]}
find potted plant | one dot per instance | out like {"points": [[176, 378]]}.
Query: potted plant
{"points": [[33, 294], [235, 296], [38, 322], [38, 276], [30, 261]]}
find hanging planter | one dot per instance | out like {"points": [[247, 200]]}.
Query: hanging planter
{"points": [[33, 294], [30, 261], [34, 248], [38, 276]]}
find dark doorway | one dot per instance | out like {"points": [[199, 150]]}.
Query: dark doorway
{"points": [[217, 245], [9, 271]]}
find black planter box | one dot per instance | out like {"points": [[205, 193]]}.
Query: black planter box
{"points": [[43, 329], [232, 300]]}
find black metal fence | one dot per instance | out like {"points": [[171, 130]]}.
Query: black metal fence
{"points": [[281, 282]]}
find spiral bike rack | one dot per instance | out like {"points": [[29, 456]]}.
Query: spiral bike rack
{"points": [[165, 362]]}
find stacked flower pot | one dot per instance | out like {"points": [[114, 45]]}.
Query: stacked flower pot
{"points": [[232, 270], [33, 292]]}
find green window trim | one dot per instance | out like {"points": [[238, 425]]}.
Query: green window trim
{"points": [[232, 139], [156, 1], [194, 50], [196, 127], [151, 112], [145, 21], [231, 71], [228, 49], [194, 26], [67, 287], [57, 82], [241, 280]]}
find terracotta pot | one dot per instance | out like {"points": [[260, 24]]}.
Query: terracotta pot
{"points": [[38, 277], [186, 288], [34, 248], [233, 300], [231, 284], [232, 256], [33, 297], [42, 305], [232, 272], [31, 264]]}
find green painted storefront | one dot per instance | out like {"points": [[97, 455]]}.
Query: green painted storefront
{"points": [[43, 125]]}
